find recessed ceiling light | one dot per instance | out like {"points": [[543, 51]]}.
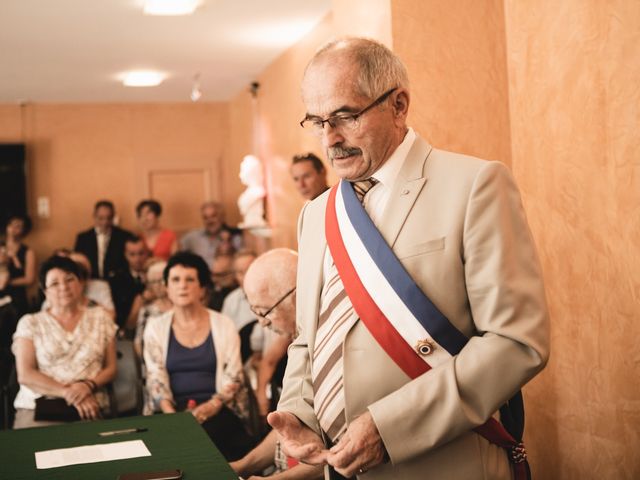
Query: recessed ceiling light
{"points": [[170, 7], [143, 78]]}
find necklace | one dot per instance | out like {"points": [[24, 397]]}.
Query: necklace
{"points": [[192, 332]]}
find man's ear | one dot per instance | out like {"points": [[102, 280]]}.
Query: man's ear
{"points": [[400, 101]]}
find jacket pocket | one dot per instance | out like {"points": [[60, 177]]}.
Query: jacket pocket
{"points": [[421, 248]]}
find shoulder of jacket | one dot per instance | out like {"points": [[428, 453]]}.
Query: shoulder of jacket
{"points": [[221, 321]]}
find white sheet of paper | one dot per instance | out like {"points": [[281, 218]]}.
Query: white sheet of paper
{"points": [[91, 454]]}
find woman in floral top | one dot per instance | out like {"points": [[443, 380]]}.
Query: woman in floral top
{"points": [[66, 351]]}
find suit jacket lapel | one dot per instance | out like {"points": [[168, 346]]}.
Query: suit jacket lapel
{"points": [[405, 190], [311, 266]]}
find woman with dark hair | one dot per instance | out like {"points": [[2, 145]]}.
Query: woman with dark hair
{"points": [[67, 352], [22, 261], [161, 242], [192, 356]]}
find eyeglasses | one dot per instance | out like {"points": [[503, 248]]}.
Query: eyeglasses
{"points": [[343, 121], [264, 314]]}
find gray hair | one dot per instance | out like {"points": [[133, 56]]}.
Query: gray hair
{"points": [[210, 203], [380, 69]]}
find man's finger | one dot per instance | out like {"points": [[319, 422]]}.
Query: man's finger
{"points": [[338, 447], [310, 454], [286, 424], [276, 420], [343, 458]]}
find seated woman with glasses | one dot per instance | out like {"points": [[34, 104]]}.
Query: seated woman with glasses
{"points": [[192, 356], [67, 352]]}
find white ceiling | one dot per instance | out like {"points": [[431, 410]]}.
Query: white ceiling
{"points": [[74, 50]]}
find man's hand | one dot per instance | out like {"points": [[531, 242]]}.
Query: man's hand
{"points": [[298, 440], [360, 448]]}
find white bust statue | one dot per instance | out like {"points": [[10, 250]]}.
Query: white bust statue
{"points": [[251, 201]]}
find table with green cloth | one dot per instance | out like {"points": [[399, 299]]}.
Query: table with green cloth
{"points": [[176, 441]]}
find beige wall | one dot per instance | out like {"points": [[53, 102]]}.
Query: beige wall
{"points": [[80, 153], [552, 90]]}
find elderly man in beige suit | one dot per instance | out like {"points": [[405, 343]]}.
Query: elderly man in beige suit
{"points": [[457, 227]]}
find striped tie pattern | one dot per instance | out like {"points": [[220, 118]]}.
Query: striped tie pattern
{"points": [[336, 318]]}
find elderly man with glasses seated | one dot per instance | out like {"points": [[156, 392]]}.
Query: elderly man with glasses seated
{"points": [[270, 287]]}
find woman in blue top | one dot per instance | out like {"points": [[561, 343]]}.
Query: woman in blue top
{"points": [[192, 356]]}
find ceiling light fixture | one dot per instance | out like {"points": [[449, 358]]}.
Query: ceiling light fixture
{"points": [[170, 7], [143, 78]]}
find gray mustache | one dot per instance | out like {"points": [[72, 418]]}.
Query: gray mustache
{"points": [[342, 152]]}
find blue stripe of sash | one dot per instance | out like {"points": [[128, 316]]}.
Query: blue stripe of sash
{"points": [[433, 321]]}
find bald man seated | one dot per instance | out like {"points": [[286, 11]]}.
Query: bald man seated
{"points": [[270, 284]]}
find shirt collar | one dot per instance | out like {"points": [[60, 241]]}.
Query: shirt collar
{"points": [[389, 170]]}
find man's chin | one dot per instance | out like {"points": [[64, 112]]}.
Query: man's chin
{"points": [[345, 168]]}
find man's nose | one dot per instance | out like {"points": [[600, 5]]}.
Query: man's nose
{"points": [[331, 136]]}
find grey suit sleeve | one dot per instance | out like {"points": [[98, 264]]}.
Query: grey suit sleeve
{"points": [[507, 303]]}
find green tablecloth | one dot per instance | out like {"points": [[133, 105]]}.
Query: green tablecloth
{"points": [[175, 441]]}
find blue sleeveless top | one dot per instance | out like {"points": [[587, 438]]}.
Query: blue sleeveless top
{"points": [[192, 371]]}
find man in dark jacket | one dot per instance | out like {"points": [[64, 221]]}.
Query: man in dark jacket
{"points": [[103, 244], [129, 282]]}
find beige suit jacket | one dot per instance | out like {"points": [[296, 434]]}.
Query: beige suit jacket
{"points": [[457, 225]]}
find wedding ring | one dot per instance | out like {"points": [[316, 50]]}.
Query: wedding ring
{"points": [[361, 471]]}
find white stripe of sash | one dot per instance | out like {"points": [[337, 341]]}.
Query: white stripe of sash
{"points": [[391, 305]]}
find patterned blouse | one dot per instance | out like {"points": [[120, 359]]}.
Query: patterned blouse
{"points": [[66, 356]]}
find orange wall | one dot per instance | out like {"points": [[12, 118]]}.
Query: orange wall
{"points": [[455, 54], [80, 153], [574, 70], [552, 90]]}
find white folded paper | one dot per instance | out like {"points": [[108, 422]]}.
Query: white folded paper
{"points": [[91, 454]]}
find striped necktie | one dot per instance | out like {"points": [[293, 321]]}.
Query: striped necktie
{"points": [[336, 319]]}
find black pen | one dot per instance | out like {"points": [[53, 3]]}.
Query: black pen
{"points": [[119, 432]]}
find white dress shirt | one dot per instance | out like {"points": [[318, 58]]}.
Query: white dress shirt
{"points": [[377, 198]]}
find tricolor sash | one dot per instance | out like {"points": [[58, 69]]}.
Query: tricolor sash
{"points": [[401, 318]]}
